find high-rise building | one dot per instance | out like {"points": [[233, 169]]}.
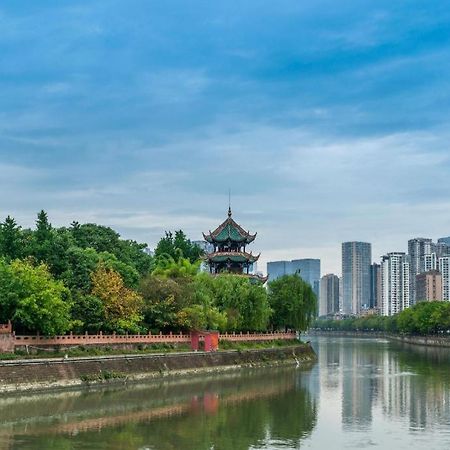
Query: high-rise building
{"points": [[444, 263], [375, 286], [309, 270], [329, 295], [395, 274], [356, 261], [429, 286], [430, 262], [276, 269], [444, 240], [442, 249], [417, 249]]}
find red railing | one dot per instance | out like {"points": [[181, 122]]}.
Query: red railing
{"points": [[105, 339]]}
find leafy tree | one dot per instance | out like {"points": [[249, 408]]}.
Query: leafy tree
{"points": [[245, 303], [168, 267], [11, 241], [33, 299], [293, 302], [122, 305], [88, 313], [178, 246]]}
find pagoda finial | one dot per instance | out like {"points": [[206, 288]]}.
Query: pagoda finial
{"points": [[229, 202]]}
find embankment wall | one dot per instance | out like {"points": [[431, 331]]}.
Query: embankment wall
{"points": [[434, 341], [21, 375]]}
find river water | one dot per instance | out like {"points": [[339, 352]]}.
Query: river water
{"points": [[362, 393]]}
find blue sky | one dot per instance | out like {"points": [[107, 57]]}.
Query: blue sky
{"points": [[328, 120]]}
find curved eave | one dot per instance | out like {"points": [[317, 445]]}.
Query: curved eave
{"points": [[232, 256]]}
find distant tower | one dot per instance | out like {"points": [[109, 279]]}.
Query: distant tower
{"points": [[229, 253], [329, 295], [356, 261], [395, 282], [417, 249]]}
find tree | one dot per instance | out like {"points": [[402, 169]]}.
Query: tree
{"points": [[122, 306], [11, 241], [293, 302], [32, 299], [163, 299], [177, 247], [245, 303]]}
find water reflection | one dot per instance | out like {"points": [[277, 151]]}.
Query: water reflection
{"points": [[236, 411], [403, 383]]}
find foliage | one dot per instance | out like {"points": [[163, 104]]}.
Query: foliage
{"points": [[178, 246], [423, 318], [33, 299], [168, 267], [293, 302], [122, 305]]}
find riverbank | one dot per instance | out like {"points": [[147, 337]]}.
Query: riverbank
{"points": [[51, 373], [430, 341]]}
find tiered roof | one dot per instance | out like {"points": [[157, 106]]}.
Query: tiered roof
{"points": [[232, 256], [229, 231]]}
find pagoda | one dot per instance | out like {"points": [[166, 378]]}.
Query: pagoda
{"points": [[229, 255]]}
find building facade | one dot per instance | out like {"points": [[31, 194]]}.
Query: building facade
{"points": [[356, 261], [417, 249], [329, 295], [395, 283], [308, 269], [276, 269], [375, 286], [429, 286], [444, 263]]}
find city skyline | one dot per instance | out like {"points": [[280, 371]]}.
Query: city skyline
{"points": [[321, 117]]}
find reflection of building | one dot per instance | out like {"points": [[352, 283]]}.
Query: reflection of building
{"points": [[329, 295], [417, 249], [356, 261], [429, 286], [229, 255], [395, 283]]}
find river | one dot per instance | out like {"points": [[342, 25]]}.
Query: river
{"points": [[361, 393]]}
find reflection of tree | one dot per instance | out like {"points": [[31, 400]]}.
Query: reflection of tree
{"points": [[232, 413]]}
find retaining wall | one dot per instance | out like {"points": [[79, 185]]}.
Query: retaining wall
{"points": [[50, 373]]}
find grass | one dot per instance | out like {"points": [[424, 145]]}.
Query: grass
{"points": [[252, 345]]}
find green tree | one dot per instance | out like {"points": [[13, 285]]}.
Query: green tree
{"points": [[11, 242], [293, 302], [33, 299], [178, 246]]}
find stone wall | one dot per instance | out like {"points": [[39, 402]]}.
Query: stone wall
{"points": [[51, 373]]}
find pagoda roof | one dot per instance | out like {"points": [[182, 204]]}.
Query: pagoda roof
{"points": [[229, 230], [239, 257]]}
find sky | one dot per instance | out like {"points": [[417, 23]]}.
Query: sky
{"points": [[328, 121]]}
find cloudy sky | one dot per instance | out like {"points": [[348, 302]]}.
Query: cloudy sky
{"points": [[328, 120]]}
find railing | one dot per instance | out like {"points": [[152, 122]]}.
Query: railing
{"points": [[5, 328], [105, 339]]}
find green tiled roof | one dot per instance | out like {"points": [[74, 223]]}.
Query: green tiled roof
{"points": [[238, 257], [229, 231]]}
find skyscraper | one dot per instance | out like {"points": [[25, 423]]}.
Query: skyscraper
{"points": [[375, 286], [276, 269], [444, 240], [395, 282], [417, 249], [444, 265], [356, 261], [309, 270], [329, 295]]}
